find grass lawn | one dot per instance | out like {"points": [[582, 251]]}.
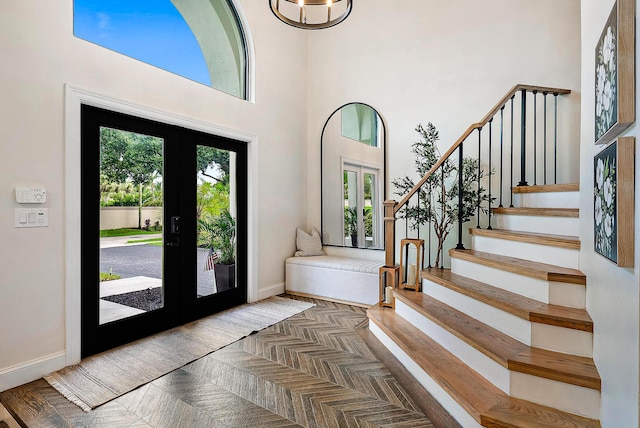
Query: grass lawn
{"points": [[151, 241], [126, 232], [108, 276]]}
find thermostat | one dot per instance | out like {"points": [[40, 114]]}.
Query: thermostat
{"points": [[31, 195]]}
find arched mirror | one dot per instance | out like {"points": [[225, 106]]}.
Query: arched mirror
{"points": [[353, 177]]}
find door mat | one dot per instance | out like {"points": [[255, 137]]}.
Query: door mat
{"points": [[110, 374]]}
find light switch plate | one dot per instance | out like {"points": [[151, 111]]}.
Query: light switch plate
{"points": [[32, 217], [31, 195]]}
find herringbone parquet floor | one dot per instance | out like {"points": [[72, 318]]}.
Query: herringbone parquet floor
{"points": [[311, 370]]}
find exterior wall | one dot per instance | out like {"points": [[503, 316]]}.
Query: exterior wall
{"points": [[612, 292], [120, 217], [41, 56]]}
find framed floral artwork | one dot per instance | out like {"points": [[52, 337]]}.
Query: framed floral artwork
{"points": [[615, 73], [613, 202]]}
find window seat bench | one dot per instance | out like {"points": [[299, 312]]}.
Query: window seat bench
{"points": [[340, 279]]}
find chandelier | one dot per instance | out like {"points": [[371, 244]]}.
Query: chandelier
{"points": [[311, 14]]}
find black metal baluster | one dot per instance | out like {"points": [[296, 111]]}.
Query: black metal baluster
{"points": [[535, 137], [442, 193], [418, 225], [490, 138], [460, 246], [511, 182], [479, 171], [545, 137], [429, 208], [523, 140], [555, 138], [501, 151], [406, 221]]}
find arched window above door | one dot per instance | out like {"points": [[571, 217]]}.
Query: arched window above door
{"points": [[201, 40]]}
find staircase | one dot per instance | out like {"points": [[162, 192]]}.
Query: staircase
{"points": [[502, 339]]}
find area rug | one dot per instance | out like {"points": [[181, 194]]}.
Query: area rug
{"points": [[108, 375]]}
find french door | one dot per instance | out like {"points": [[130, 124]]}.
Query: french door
{"points": [[163, 229], [362, 225]]}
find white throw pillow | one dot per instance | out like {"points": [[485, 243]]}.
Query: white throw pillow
{"points": [[308, 245]]}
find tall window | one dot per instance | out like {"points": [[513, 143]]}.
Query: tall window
{"points": [[201, 40]]}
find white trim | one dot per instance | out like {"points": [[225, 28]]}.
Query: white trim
{"points": [[74, 98], [274, 290], [20, 374], [250, 93]]}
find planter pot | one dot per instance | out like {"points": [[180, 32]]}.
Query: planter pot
{"points": [[354, 240], [225, 276]]}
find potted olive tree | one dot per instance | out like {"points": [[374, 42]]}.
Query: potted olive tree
{"points": [[438, 202], [218, 233]]}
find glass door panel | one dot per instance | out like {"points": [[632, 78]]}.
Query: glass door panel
{"points": [[216, 215], [130, 218], [370, 211], [350, 208]]}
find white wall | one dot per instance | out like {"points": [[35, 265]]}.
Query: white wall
{"points": [[444, 62], [39, 56], [612, 292]]}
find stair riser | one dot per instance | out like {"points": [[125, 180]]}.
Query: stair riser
{"points": [[569, 398], [566, 294], [442, 396], [485, 366], [557, 256], [556, 293], [552, 338], [511, 382], [511, 325], [551, 225], [559, 339], [547, 200], [529, 287]]}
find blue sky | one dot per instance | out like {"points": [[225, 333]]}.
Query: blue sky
{"points": [[152, 31]]}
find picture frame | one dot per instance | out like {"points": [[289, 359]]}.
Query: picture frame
{"points": [[615, 73], [613, 202]]}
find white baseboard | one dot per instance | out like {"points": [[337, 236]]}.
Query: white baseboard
{"points": [[273, 290], [31, 370]]}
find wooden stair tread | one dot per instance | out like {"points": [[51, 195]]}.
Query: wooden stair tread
{"points": [[503, 349], [486, 403], [564, 241], [540, 212], [528, 268], [513, 303], [568, 187], [519, 413]]}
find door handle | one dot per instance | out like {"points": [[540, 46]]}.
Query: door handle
{"points": [[175, 225]]}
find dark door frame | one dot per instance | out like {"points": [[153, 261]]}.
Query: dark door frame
{"points": [[180, 146]]}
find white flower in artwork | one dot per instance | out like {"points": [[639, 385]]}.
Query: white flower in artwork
{"points": [[608, 191], [600, 82], [607, 96], [598, 212], [608, 51], [600, 173], [600, 79], [608, 225], [599, 104]]}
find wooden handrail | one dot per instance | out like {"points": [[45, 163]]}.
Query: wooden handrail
{"points": [[470, 129]]}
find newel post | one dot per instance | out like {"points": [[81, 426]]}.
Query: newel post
{"points": [[389, 273], [389, 233]]}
